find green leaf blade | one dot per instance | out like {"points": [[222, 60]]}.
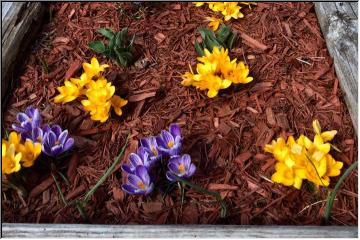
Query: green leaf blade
{"points": [[97, 46]]}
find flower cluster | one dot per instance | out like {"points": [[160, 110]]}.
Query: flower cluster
{"points": [[216, 71], [30, 139], [167, 144], [228, 9], [304, 159], [99, 92]]}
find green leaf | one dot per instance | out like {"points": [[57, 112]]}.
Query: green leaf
{"points": [[106, 32], [97, 46], [199, 49], [330, 200], [108, 172], [112, 43], [123, 35], [223, 33], [211, 43], [206, 32], [120, 58], [231, 40], [118, 39]]}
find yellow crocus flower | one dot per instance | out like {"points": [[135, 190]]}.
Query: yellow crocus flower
{"points": [[94, 69], [278, 148], [231, 10], [199, 4], [69, 92], [327, 135], [10, 161], [99, 95], [214, 23], [216, 6], [14, 138], [100, 91], [30, 152], [188, 78], [117, 102], [81, 82], [288, 176]]}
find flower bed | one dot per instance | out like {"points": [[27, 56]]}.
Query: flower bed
{"points": [[293, 84]]}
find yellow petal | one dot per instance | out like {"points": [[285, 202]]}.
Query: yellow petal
{"points": [[212, 93], [297, 183], [328, 135], [316, 126]]}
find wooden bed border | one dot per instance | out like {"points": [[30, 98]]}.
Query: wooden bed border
{"points": [[175, 231], [338, 22]]}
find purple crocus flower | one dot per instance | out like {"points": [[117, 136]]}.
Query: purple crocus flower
{"points": [[28, 120], [169, 142], [36, 135], [181, 167], [151, 146], [139, 183], [55, 141], [142, 158]]}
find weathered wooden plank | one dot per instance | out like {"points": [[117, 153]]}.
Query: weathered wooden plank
{"points": [[339, 22], [20, 21], [174, 231]]}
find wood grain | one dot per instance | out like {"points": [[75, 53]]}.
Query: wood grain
{"points": [[339, 22], [20, 22], [174, 231]]}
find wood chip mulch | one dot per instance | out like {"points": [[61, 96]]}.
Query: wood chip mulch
{"points": [[294, 83]]}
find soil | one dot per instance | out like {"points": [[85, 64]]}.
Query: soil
{"points": [[294, 83]]}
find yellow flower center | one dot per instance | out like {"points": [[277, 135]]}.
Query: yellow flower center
{"points": [[141, 185], [57, 142], [170, 144], [181, 168]]}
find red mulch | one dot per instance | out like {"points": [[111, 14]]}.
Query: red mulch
{"points": [[295, 82]]}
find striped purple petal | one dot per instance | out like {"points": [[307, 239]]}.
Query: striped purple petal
{"points": [[175, 130], [68, 144], [143, 174], [56, 129], [63, 136]]}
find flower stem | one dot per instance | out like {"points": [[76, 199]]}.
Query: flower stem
{"points": [[203, 190]]}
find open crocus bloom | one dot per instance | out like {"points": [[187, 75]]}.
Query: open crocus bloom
{"points": [[151, 146], [140, 159], [169, 142], [56, 141], [94, 69], [180, 166], [30, 151], [28, 121], [139, 183]]}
